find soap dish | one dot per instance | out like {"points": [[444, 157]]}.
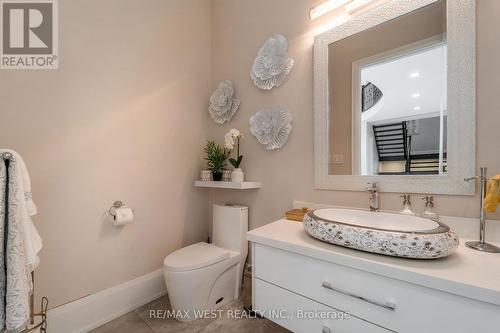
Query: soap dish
{"points": [[296, 214]]}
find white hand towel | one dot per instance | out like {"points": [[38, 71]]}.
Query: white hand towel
{"points": [[32, 240]]}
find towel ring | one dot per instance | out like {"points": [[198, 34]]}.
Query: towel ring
{"points": [[117, 204]]}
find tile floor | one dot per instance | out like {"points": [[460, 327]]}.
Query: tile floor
{"points": [[140, 321]]}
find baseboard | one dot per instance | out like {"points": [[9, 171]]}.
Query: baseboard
{"points": [[89, 312]]}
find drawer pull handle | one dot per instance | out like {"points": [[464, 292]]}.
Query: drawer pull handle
{"points": [[326, 329], [386, 305]]}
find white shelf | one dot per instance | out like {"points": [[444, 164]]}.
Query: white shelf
{"points": [[228, 185]]}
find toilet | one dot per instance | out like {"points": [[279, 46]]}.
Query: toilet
{"points": [[207, 276]]}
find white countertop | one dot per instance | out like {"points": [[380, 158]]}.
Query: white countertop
{"points": [[467, 273]]}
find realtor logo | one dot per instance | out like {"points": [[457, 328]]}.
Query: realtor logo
{"points": [[29, 34]]}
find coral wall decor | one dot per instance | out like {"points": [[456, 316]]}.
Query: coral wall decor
{"points": [[222, 103], [272, 64], [272, 127]]}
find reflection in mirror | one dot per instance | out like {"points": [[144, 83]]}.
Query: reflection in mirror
{"points": [[388, 97]]}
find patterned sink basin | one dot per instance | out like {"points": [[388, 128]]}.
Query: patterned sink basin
{"points": [[384, 233]]}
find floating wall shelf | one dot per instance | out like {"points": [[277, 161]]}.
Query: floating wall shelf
{"points": [[228, 185]]}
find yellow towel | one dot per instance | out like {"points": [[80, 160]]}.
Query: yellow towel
{"points": [[492, 195]]}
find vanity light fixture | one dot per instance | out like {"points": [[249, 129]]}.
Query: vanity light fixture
{"points": [[415, 95], [357, 5], [414, 75], [326, 7]]}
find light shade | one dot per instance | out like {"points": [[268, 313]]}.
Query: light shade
{"points": [[357, 5], [326, 7]]}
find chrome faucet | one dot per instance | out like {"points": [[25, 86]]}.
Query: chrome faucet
{"points": [[481, 245], [373, 192]]}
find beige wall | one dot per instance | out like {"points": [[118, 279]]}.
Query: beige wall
{"points": [[381, 39], [239, 29], [123, 118]]}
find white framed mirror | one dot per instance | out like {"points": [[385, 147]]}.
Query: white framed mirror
{"points": [[394, 99]]}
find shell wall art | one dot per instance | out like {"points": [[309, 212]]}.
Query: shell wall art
{"points": [[272, 127], [223, 105], [272, 64]]}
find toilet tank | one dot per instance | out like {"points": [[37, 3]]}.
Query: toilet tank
{"points": [[229, 228]]}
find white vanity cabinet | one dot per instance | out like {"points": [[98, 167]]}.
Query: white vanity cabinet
{"points": [[316, 317], [295, 274]]}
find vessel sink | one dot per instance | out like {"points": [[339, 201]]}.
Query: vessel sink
{"points": [[384, 233]]}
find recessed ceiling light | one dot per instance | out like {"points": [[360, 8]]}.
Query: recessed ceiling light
{"points": [[326, 7], [414, 75], [417, 108], [415, 95]]}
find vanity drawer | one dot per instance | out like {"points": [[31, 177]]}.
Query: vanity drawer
{"points": [[390, 303], [288, 310]]}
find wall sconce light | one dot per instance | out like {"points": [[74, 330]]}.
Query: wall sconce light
{"points": [[326, 7], [350, 7], [356, 6]]}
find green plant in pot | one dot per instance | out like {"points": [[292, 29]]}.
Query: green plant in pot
{"points": [[216, 159]]}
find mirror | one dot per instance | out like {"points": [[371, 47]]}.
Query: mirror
{"points": [[388, 97], [388, 106]]}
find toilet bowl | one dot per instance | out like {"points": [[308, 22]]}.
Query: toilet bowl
{"points": [[205, 276]]}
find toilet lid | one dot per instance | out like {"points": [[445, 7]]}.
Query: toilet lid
{"points": [[195, 256]]}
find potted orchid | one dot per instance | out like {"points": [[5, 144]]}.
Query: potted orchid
{"points": [[232, 140]]}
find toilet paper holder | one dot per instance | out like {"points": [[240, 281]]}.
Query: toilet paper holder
{"points": [[117, 204]]}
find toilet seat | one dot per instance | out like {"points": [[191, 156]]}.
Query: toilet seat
{"points": [[195, 256]]}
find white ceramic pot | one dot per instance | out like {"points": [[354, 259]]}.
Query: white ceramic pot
{"points": [[237, 175]]}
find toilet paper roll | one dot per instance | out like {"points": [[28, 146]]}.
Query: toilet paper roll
{"points": [[123, 215]]}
